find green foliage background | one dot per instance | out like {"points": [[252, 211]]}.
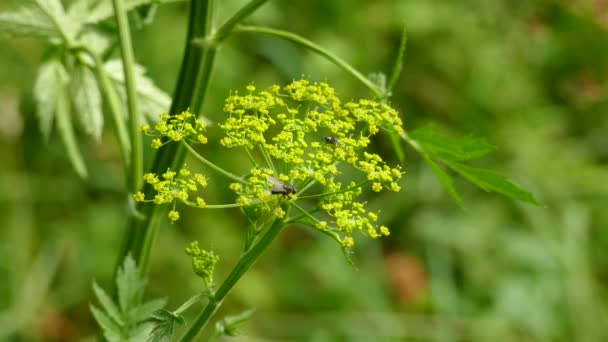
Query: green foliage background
{"points": [[529, 76]]}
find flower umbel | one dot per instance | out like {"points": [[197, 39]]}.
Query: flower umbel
{"points": [[180, 127], [172, 187], [304, 137]]}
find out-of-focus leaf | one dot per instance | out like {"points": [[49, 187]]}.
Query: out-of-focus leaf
{"points": [[111, 330], [65, 125], [153, 100], [130, 285], [129, 319], [46, 94], [466, 148], [443, 177], [228, 326], [145, 310], [40, 18], [107, 304], [87, 101], [491, 181], [27, 20]]}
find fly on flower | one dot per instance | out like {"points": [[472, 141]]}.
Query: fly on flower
{"points": [[279, 187], [331, 140]]}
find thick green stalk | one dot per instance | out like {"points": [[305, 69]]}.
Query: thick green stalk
{"points": [[244, 264], [138, 231], [317, 49], [128, 62]]}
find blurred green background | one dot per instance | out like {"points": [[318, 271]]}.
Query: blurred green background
{"points": [[530, 76]]}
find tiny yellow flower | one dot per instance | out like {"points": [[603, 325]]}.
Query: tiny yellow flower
{"points": [[173, 216], [200, 202], [348, 242], [377, 187], [384, 231], [156, 143], [139, 196], [279, 212]]}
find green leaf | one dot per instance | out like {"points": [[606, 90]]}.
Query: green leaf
{"points": [[443, 177], [111, 330], [153, 100], [130, 285], [87, 101], [46, 93], [28, 20], [165, 326], [491, 181], [107, 304], [144, 311], [466, 148], [64, 123], [129, 320]]}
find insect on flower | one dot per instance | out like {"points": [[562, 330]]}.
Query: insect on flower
{"points": [[279, 187], [331, 140]]}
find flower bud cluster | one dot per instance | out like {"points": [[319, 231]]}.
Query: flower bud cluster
{"points": [[180, 127], [172, 187], [203, 262]]}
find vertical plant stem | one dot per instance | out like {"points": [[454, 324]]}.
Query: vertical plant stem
{"points": [[141, 234], [192, 85], [126, 50], [244, 264]]}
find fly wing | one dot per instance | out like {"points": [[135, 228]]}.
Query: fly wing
{"points": [[277, 186]]}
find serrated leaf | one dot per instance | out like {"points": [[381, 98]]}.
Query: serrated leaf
{"points": [[466, 148], [28, 20], [145, 310], [130, 285], [107, 304], [443, 177], [111, 330], [65, 125], [165, 325], [46, 94], [491, 181], [87, 101], [153, 100]]}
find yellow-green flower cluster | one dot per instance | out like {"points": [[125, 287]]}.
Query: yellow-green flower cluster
{"points": [[303, 133], [203, 262], [172, 187], [180, 127]]}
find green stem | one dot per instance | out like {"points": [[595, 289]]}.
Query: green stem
{"points": [[334, 192], [170, 154], [314, 48], [128, 62], [213, 166], [244, 264], [190, 92], [227, 28]]}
